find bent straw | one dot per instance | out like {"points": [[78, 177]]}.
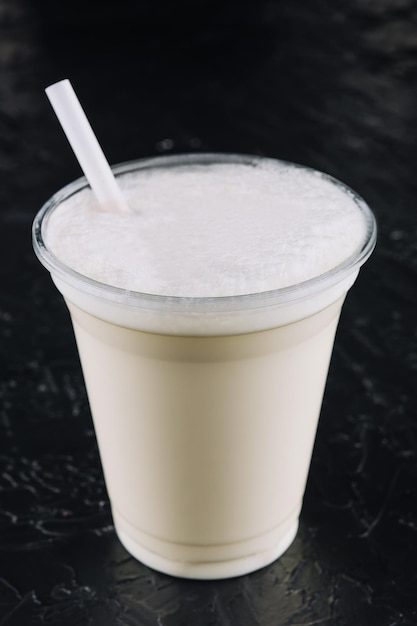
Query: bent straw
{"points": [[85, 145]]}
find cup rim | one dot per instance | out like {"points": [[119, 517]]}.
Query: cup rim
{"points": [[136, 299]]}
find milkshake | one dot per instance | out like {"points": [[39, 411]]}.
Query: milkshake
{"points": [[205, 320]]}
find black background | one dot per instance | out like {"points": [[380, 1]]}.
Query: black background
{"points": [[327, 84]]}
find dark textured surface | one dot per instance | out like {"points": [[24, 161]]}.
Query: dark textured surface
{"points": [[330, 85]]}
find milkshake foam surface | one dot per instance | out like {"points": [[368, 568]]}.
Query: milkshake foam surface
{"points": [[211, 229]]}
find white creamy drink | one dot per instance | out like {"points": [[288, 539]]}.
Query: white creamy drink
{"points": [[205, 321]]}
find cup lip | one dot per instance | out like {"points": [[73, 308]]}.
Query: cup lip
{"points": [[136, 299]]}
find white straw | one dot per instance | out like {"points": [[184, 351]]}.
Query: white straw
{"points": [[85, 145]]}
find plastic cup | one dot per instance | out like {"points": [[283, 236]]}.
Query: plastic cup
{"points": [[205, 409]]}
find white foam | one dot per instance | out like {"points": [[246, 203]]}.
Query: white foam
{"points": [[211, 230]]}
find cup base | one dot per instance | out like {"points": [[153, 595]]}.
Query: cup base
{"points": [[210, 569]]}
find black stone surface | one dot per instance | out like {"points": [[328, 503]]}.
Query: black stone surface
{"points": [[327, 84]]}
